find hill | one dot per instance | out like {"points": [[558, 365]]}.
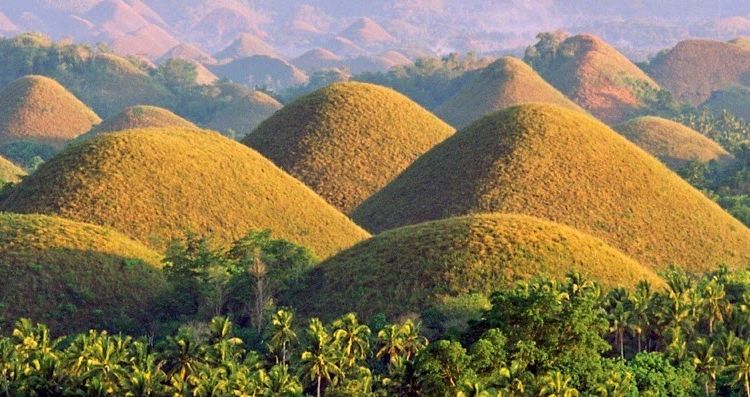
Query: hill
{"points": [[150, 41], [246, 45], [743, 42], [593, 74], [348, 140], [261, 71], [567, 167], [188, 52], [735, 99], [135, 117], [693, 69], [365, 32], [9, 172], [317, 59], [244, 114], [507, 81], [673, 143], [154, 184], [414, 268], [74, 276], [39, 109]]}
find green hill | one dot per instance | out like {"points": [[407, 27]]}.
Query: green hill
{"points": [[417, 267], [9, 172], [348, 140], [74, 276], [244, 114], [154, 184], [735, 99], [673, 143], [135, 117], [507, 81], [567, 167]]}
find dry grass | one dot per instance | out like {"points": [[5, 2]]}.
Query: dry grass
{"points": [[693, 69], [154, 184], [9, 172], [598, 78], [567, 167], [72, 275], [138, 117], [244, 114], [415, 267], [673, 143], [508, 81], [39, 109], [348, 140]]}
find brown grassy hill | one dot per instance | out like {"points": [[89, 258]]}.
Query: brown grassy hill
{"points": [[596, 76], [188, 52], [348, 140], [693, 69], [673, 143], [416, 267], [39, 109], [135, 117], [316, 59], [261, 70], [150, 41], [74, 276], [507, 81], [154, 184], [244, 114], [567, 167], [366, 32], [9, 172], [743, 42], [246, 45], [115, 17]]}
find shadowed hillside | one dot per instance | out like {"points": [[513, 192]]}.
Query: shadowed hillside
{"points": [[244, 114], [138, 117], [9, 172]]}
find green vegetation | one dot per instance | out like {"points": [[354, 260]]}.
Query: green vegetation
{"points": [[39, 109], [733, 99], [563, 166], [74, 275], [348, 140], [27, 154], [136, 117], [9, 172], [438, 268], [155, 184], [673, 143], [591, 73], [506, 82]]}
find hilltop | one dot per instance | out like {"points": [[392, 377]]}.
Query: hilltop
{"points": [[150, 41], [414, 268], [244, 114], [74, 276], [316, 59], [39, 109], [187, 52], [135, 117], [567, 167], [246, 45], [155, 184], [9, 172], [593, 74], [365, 32], [693, 69], [261, 71], [348, 140], [673, 143], [507, 81]]}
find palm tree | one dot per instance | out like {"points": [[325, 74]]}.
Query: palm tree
{"points": [[513, 379], [413, 341], [278, 382], [283, 334], [740, 367], [555, 384], [619, 317], [320, 362], [714, 303], [640, 300], [618, 385], [705, 362], [391, 344], [352, 337]]}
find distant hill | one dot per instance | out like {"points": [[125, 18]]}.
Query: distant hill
{"points": [[694, 69], [735, 99], [563, 166], [243, 115], [316, 59], [150, 41], [348, 140], [9, 172], [246, 45], [365, 32], [39, 109], [593, 74], [135, 117], [673, 143], [424, 266], [115, 17], [188, 52], [75, 276], [155, 184], [261, 71], [508, 81]]}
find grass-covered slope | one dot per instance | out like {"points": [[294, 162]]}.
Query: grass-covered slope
{"points": [[348, 140], [596, 76], [735, 99], [567, 167], [74, 276], [154, 184], [244, 114], [39, 109], [673, 143], [9, 172], [412, 268], [693, 69], [507, 81], [140, 116]]}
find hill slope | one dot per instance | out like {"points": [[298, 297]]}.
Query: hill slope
{"points": [[39, 109], [348, 140], [141, 116], [507, 81], [564, 166], [154, 184], [9, 172], [412, 268], [261, 70], [244, 114], [673, 143], [74, 276], [693, 69], [594, 75], [246, 45]]}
